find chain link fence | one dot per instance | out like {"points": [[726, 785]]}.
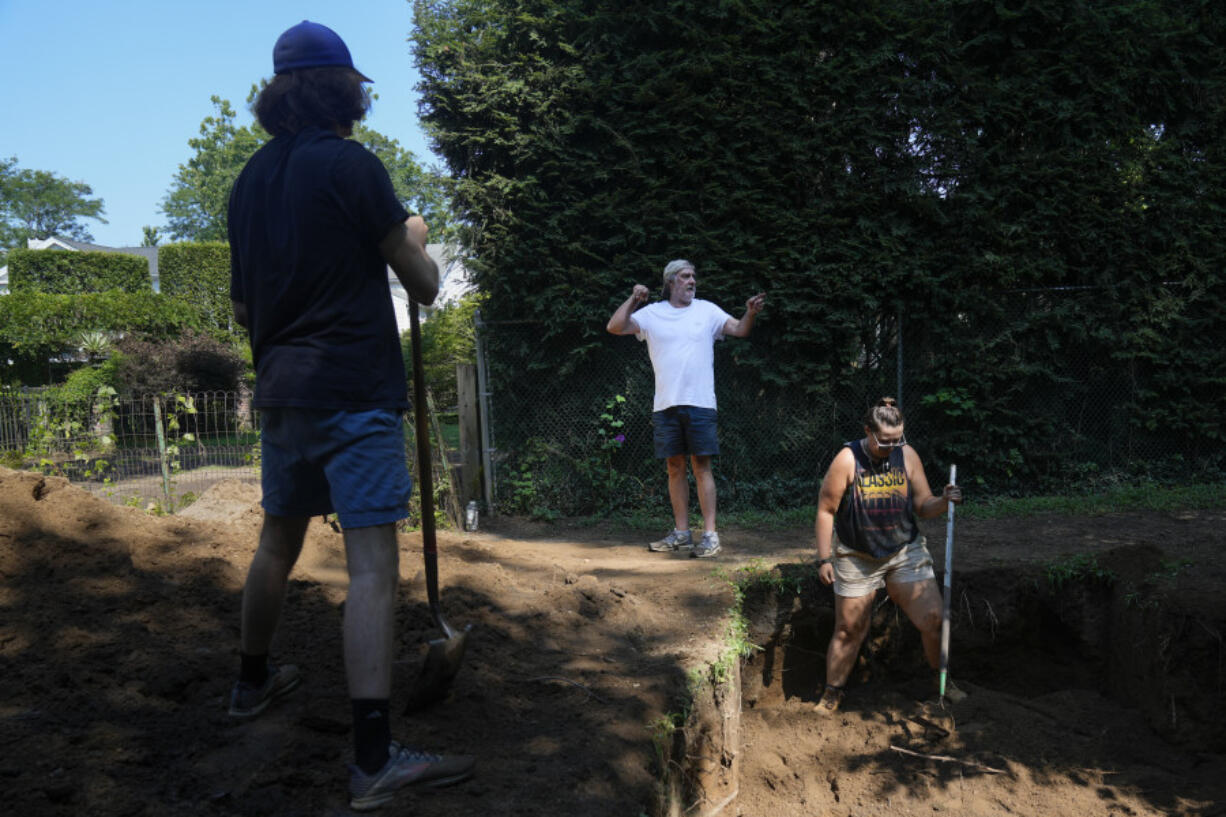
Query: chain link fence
{"points": [[162, 452], [1045, 404], [579, 441], [158, 452], [572, 434]]}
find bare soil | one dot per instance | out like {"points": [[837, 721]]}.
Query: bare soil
{"points": [[118, 647]]}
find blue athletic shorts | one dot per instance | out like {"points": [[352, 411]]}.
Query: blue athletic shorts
{"points": [[319, 461], [684, 430]]}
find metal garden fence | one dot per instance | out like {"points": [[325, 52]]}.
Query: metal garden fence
{"points": [[580, 442], [161, 452], [568, 435], [153, 451], [573, 436]]}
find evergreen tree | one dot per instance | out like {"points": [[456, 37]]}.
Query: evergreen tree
{"points": [[939, 161]]}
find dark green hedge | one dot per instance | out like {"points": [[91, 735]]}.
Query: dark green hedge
{"points": [[67, 272], [199, 273], [944, 160]]}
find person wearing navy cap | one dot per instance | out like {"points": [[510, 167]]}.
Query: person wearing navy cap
{"points": [[313, 225], [310, 45]]}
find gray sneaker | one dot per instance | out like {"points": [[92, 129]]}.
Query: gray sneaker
{"points": [[247, 701], [677, 540], [708, 547], [405, 767]]}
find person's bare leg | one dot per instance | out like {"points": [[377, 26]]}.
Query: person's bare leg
{"points": [[373, 557], [851, 620], [264, 592], [679, 492], [922, 603], [704, 479]]}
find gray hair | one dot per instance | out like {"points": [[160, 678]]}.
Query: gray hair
{"points": [[671, 270]]}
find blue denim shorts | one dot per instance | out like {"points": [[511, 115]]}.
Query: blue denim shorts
{"points": [[319, 461], [684, 430]]}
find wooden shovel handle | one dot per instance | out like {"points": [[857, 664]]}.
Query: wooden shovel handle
{"points": [[425, 482]]}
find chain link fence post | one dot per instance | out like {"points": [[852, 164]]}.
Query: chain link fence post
{"points": [[486, 419]]}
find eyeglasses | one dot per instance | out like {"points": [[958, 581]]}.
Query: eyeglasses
{"points": [[898, 443]]}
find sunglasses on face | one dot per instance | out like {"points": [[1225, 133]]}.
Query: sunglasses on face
{"points": [[897, 442]]}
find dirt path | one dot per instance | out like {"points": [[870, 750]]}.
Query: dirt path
{"points": [[118, 646]]}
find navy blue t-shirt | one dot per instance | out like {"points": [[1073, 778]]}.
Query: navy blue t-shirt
{"points": [[306, 217]]}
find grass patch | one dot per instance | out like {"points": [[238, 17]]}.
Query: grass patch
{"points": [[662, 730], [1078, 568], [1144, 496], [656, 521], [742, 581], [1149, 496], [449, 425]]}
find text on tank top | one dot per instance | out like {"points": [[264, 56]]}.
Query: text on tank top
{"points": [[876, 515]]}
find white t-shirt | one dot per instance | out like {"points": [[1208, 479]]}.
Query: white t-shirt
{"points": [[681, 342]]}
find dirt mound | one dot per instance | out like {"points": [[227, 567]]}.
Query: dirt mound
{"points": [[118, 647], [118, 637], [228, 501]]}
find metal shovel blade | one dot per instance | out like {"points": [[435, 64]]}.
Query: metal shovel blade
{"points": [[444, 656]]}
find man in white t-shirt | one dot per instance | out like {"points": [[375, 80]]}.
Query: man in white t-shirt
{"points": [[681, 331]]}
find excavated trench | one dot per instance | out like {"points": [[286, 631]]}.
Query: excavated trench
{"points": [[1019, 634]]}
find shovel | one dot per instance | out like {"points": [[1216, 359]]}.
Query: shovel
{"points": [[949, 593], [444, 655]]}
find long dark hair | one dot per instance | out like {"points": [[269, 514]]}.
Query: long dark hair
{"points": [[330, 98]]}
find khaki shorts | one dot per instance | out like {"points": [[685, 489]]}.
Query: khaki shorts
{"points": [[858, 574]]}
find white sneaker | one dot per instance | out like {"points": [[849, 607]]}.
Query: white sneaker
{"points": [[708, 547], [677, 540]]}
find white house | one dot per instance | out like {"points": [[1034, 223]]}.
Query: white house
{"points": [[453, 283]]}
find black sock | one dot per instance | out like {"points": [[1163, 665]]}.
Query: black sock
{"points": [[372, 732], [254, 669]]}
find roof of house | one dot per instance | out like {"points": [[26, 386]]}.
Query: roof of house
{"points": [[150, 253]]}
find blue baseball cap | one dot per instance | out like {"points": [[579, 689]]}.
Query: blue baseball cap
{"points": [[311, 45]]}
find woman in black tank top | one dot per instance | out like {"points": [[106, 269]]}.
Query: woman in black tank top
{"points": [[871, 499], [875, 515]]}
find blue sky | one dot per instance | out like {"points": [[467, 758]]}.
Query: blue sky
{"points": [[108, 93]]}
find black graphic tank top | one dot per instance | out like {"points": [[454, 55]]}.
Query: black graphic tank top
{"points": [[875, 515]]}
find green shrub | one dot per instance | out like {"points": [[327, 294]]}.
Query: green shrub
{"points": [[36, 327], [67, 272], [199, 273], [82, 384], [82, 400], [447, 338]]}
